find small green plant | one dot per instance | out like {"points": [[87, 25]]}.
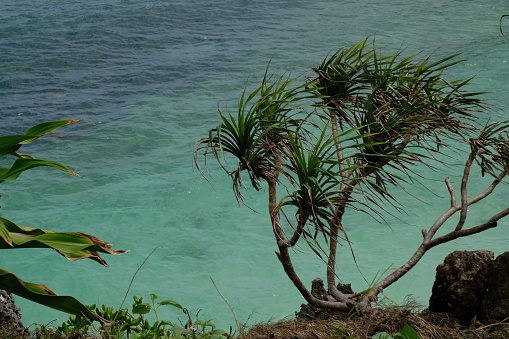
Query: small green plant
{"points": [[407, 332], [343, 332], [136, 324], [158, 328]]}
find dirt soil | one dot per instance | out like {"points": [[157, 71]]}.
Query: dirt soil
{"points": [[390, 320]]}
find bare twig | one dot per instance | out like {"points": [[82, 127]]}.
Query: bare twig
{"points": [[464, 194], [451, 192], [239, 326], [134, 275]]}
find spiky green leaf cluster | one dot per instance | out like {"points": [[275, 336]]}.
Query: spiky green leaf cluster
{"points": [[344, 137], [404, 104], [258, 135]]}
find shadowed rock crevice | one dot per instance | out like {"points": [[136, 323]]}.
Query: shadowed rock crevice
{"points": [[495, 305]]}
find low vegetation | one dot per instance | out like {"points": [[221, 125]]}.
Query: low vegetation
{"points": [[136, 323], [390, 321], [386, 322]]}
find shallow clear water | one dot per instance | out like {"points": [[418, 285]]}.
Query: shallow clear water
{"points": [[146, 78]]}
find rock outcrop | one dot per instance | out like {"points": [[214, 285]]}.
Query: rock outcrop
{"points": [[318, 291], [461, 283], [495, 305], [10, 317], [309, 312]]}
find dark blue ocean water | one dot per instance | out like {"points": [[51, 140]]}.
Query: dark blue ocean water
{"points": [[146, 78]]}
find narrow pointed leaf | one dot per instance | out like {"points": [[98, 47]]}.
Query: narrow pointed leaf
{"points": [[171, 302], [45, 296], [71, 245], [24, 164], [46, 127]]}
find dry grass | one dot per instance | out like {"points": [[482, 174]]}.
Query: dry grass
{"points": [[390, 320]]}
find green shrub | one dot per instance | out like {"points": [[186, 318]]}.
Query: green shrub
{"points": [[123, 324]]}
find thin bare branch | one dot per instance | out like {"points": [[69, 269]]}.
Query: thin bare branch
{"points": [[464, 193], [451, 192], [301, 222], [488, 190]]}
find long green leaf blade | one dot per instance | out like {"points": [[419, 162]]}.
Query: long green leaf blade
{"points": [[45, 296], [46, 127], [24, 164]]}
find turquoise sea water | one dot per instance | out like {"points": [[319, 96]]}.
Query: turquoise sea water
{"points": [[146, 78]]}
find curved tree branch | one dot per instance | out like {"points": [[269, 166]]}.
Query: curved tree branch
{"points": [[464, 195], [428, 241], [285, 259]]}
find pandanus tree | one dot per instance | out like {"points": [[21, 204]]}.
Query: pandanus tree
{"points": [[343, 140], [71, 245]]}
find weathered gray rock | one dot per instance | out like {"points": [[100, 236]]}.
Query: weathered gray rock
{"points": [[310, 312], [318, 290], [461, 282], [495, 305], [10, 317]]}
